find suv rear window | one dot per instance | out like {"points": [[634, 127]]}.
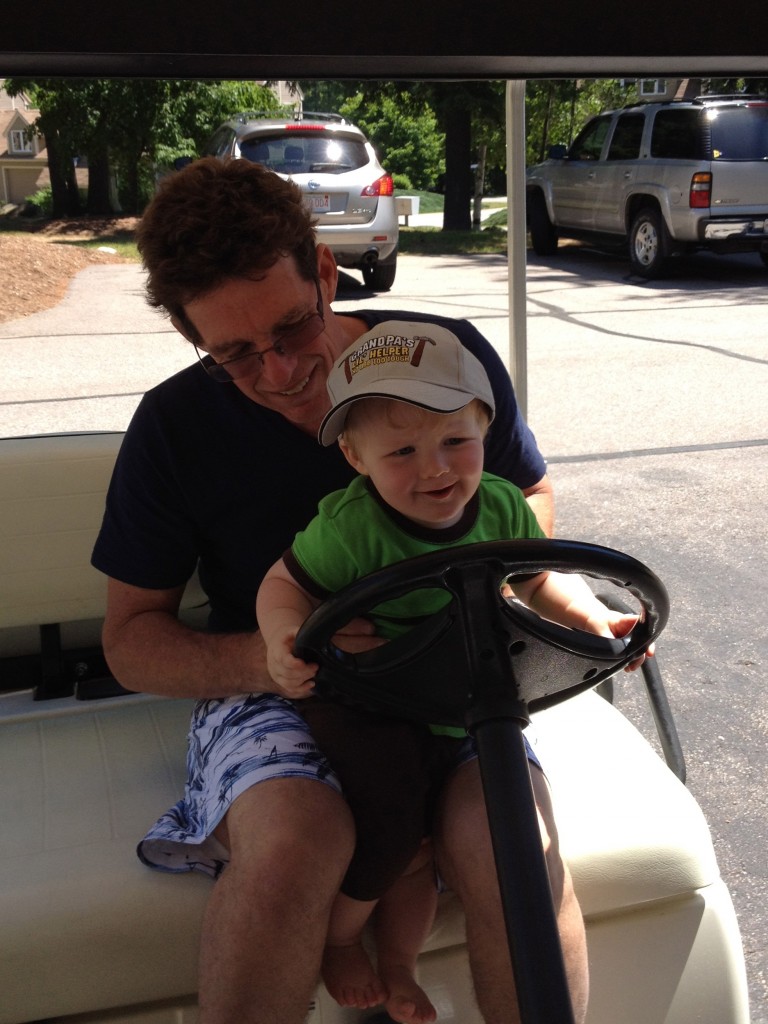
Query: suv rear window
{"points": [[305, 152], [679, 135], [738, 133]]}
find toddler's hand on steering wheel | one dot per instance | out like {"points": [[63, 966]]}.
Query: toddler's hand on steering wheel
{"points": [[620, 625], [294, 678]]}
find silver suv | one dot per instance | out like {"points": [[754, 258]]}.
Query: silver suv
{"points": [[666, 177], [342, 180]]}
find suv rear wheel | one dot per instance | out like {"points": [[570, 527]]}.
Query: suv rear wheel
{"points": [[543, 231], [649, 243], [380, 276]]}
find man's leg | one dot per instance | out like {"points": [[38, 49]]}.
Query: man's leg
{"points": [[290, 841], [465, 860]]}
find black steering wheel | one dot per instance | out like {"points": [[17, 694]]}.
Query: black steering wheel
{"points": [[479, 648], [485, 664]]}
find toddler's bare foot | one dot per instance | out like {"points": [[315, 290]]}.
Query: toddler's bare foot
{"points": [[350, 978], [407, 1001]]}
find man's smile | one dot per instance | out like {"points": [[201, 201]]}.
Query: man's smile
{"points": [[297, 388]]}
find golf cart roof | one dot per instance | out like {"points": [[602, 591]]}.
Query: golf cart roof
{"points": [[450, 40]]}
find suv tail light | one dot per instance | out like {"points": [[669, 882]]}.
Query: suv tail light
{"points": [[383, 186], [701, 190]]}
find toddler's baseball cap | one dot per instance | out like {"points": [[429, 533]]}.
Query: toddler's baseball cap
{"points": [[423, 364]]}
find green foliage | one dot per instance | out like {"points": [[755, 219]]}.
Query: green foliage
{"points": [[556, 111], [433, 242], [498, 219], [40, 204], [754, 86], [122, 242], [403, 131], [397, 119], [328, 96]]}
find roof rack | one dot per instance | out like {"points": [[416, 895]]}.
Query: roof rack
{"points": [[313, 115], [256, 115], [671, 101], [708, 97]]}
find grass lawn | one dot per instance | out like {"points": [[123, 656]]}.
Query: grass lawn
{"points": [[433, 241], [436, 242], [424, 241]]}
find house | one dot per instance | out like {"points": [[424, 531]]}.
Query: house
{"points": [[665, 89], [23, 157], [289, 94]]}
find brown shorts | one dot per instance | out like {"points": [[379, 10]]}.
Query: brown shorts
{"points": [[391, 773]]}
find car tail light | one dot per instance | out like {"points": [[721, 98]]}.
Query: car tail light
{"points": [[383, 186], [701, 190]]}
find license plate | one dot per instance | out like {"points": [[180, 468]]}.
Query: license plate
{"points": [[320, 202]]}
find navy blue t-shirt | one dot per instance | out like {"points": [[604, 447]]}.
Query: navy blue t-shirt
{"points": [[208, 478]]}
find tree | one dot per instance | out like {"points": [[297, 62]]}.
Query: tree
{"points": [[753, 86], [126, 128], [58, 104], [556, 110], [402, 128], [468, 113]]}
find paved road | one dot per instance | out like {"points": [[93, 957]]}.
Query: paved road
{"points": [[651, 403]]}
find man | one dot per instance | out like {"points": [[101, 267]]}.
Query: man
{"points": [[218, 470]]}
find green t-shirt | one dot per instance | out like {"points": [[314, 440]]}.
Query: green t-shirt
{"points": [[355, 532]]}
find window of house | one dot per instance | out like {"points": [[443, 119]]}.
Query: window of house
{"points": [[652, 86], [20, 142]]}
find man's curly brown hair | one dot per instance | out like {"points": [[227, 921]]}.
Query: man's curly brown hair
{"points": [[216, 220]]}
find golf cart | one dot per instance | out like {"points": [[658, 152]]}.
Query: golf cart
{"points": [[89, 935]]}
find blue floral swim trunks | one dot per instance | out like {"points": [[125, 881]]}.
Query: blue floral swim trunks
{"points": [[235, 743]]}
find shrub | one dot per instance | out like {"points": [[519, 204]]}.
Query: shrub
{"points": [[40, 204]]}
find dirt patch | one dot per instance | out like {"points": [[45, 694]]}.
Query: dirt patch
{"points": [[37, 264]]}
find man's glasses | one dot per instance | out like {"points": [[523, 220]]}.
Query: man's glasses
{"points": [[250, 364]]}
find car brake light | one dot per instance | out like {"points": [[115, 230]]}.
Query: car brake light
{"points": [[701, 190], [299, 126], [383, 186]]}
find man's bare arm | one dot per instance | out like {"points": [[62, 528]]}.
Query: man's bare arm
{"points": [[150, 651], [541, 498]]}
